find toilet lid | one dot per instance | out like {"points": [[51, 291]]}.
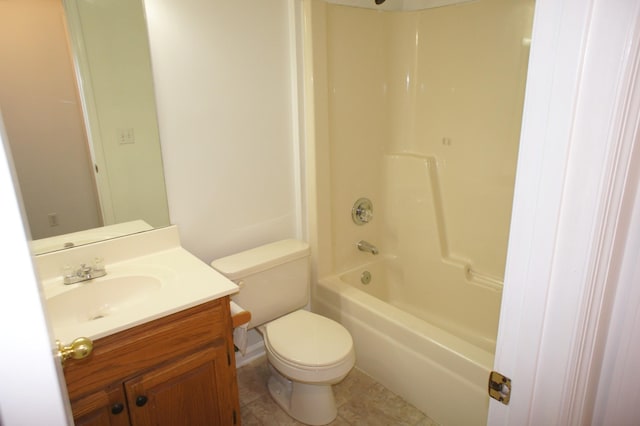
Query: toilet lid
{"points": [[305, 338]]}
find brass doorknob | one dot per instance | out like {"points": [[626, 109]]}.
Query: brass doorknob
{"points": [[78, 349]]}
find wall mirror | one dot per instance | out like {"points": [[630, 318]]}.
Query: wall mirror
{"points": [[78, 104]]}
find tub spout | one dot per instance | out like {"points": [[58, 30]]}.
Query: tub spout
{"points": [[368, 247]]}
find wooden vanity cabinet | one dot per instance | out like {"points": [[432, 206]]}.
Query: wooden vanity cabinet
{"points": [[100, 408], [176, 370]]}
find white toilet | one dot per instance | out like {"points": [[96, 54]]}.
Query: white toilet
{"points": [[307, 353]]}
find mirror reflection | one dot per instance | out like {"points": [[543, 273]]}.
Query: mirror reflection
{"points": [[86, 150]]}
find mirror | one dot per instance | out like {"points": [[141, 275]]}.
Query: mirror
{"points": [[86, 150]]}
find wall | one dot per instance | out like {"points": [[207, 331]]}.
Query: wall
{"points": [[43, 117], [223, 81], [443, 88], [472, 66], [358, 48]]}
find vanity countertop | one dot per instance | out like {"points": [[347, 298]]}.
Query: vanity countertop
{"points": [[141, 284]]}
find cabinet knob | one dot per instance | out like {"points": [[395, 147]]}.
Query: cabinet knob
{"points": [[117, 408], [141, 400]]}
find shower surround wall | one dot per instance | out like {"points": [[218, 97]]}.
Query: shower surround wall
{"points": [[419, 111], [441, 87]]}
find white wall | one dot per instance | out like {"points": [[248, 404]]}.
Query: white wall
{"points": [[223, 87]]}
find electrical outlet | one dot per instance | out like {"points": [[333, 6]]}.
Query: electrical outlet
{"points": [[53, 219]]}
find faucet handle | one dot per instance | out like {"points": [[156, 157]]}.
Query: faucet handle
{"points": [[67, 271], [362, 211], [98, 264]]}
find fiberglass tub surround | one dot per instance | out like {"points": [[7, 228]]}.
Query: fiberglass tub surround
{"points": [[419, 111]]}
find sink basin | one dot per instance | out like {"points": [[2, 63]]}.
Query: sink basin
{"points": [[149, 276], [101, 298]]}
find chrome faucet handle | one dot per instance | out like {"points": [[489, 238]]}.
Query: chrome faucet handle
{"points": [[84, 269], [98, 264], [84, 272], [362, 211], [365, 215]]}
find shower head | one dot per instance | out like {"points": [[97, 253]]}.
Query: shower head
{"points": [[379, 1]]}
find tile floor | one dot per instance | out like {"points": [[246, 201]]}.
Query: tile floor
{"points": [[360, 399]]}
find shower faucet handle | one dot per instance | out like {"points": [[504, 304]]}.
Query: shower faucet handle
{"points": [[362, 211]]}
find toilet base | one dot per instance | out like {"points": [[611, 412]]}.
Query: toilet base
{"points": [[307, 403]]}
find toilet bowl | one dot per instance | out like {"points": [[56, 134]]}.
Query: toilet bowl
{"points": [[307, 353]]}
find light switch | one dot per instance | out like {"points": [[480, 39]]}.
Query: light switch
{"points": [[126, 136]]}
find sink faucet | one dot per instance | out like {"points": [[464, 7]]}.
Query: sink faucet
{"points": [[84, 272], [368, 247]]}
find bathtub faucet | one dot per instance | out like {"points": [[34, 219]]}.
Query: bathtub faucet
{"points": [[368, 247]]}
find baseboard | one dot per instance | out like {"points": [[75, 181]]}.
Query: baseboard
{"points": [[253, 352]]}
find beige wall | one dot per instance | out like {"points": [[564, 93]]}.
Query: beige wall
{"points": [[441, 87], [43, 118], [358, 49], [471, 66]]}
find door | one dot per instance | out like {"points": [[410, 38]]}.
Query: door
{"points": [[581, 112], [32, 390], [106, 407], [192, 391]]}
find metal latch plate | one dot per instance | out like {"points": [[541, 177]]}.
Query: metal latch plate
{"points": [[499, 387]]}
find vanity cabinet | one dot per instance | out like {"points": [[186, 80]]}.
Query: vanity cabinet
{"points": [[97, 408], [176, 370]]}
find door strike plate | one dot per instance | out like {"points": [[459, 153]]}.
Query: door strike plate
{"points": [[499, 387]]}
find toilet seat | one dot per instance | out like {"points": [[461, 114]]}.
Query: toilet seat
{"points": [[306, 339], [309, 347]]}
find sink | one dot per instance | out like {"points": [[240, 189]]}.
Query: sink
{"points": [[100, 298], [149, 276]]}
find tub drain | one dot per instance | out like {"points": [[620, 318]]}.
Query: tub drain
{"points": [[365, 278]]}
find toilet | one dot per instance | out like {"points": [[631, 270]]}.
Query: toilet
{"points": [[307, 353]]}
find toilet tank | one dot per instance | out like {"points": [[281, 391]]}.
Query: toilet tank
{"points": [[273, 279]]}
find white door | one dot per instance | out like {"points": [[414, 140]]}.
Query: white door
{"points": [[32, 390], [571, 199]]}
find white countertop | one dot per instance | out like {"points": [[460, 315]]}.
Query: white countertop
{"points": [[185, 281]]}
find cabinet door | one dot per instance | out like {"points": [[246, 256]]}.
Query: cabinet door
{"points": [[194, 390], [107, 407]]}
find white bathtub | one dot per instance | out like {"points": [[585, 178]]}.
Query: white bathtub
{"points": [[441, 369]]}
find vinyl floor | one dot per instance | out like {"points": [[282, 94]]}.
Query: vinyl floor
{"points": [[360, 400]]}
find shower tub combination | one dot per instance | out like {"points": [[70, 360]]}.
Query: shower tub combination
{"points": [[419, 112], [440, 372]]}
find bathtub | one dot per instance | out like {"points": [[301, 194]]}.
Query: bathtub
{"points": [[431, 362]]}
